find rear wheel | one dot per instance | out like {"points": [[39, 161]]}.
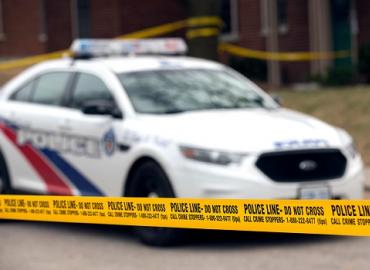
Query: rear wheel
{"points": [[1, 184], [4, 177], [149, 180]]}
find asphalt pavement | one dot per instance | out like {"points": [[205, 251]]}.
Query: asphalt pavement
{"points": [[49, 246]]}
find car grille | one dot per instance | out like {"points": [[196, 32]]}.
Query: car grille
{"points": [[303, 165]]}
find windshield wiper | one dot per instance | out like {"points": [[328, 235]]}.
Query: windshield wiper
{"points": [[172, 111]]}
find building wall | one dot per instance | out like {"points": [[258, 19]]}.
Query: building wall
{"points": [[106, 18], [296, 39], [58, 25], [22, 28], [363, 14], [250, 28], [110, 18], [137, 15]]}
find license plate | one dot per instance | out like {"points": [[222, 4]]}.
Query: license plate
{"points": [[314, 193]]}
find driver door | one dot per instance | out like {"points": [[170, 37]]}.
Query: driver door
{"points": [[92, 161]]}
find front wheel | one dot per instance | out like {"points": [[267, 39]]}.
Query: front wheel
{"points": [[149, 180]]}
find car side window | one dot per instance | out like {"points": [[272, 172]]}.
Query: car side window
{"points": [[50, 88], [88, 88], [24, 93]]}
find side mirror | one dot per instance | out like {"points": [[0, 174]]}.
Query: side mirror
{"points": [[278, 99], [101, 107]]}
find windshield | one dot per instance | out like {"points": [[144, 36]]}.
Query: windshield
{"points": [[174, 91]]}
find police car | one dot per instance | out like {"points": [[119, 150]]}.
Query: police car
{"points": [[133, 118]]}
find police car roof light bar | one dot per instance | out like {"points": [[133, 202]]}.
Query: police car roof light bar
{"points": [[88, 48]]}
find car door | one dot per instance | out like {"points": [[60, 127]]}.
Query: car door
{"points": [[31, 128], [94, 161]]}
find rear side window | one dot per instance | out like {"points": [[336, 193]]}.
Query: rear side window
{"points": [[88, 88], [50, 88], [24, 93]]}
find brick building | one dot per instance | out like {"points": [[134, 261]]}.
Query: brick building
{"points": [[37, 26]]}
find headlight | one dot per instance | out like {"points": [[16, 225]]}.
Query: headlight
{"points": [[351, 149], [347, 140], [212, 156]]}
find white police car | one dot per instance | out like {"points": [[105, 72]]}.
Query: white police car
{"points": [[103, 124]]}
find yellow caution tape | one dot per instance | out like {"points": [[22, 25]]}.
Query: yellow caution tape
{"points": [[202, 21], [31, 60], [193, 33], [335, 217], [282, 56], [202, 32], [157, 30], [174, 26]]}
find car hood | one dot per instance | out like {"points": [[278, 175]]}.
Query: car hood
{"points": [[243, 130]]}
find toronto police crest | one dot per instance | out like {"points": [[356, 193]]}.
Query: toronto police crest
{"points": [[109, 142]]}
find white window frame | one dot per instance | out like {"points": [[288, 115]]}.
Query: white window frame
{"points": [[74, 19], [43, 32], [264, 19], [2, 29], [282, 28], [234, 34]]}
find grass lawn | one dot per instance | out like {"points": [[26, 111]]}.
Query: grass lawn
{"points": [[348, 108]]}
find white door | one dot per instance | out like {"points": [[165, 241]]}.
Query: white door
{"points": [[31, 128], [94, 162]]}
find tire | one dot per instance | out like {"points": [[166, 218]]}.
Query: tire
{"points": [[4, 177], [149, 180]]}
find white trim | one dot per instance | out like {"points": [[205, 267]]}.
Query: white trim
{"points": [[234, 24], [2, 30], [355, 30], [43, 35], [283, 28], [264, 18], [74, 19]]}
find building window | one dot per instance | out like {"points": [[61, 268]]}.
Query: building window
{"points": [[281, 16], [2, 30], [229, 16], [264, 19], [43, 35], [83, 18]]}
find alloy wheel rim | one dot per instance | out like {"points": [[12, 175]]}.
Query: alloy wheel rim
{"points": [[153, 194]]}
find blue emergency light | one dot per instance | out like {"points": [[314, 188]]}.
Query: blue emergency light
{"points": [[87, 48]]}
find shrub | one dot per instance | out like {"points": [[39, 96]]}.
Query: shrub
{"points": [[254, 69], [364, 62], [337, 76]]}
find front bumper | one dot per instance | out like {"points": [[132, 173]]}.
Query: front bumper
{"points": [[201, 180]]}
